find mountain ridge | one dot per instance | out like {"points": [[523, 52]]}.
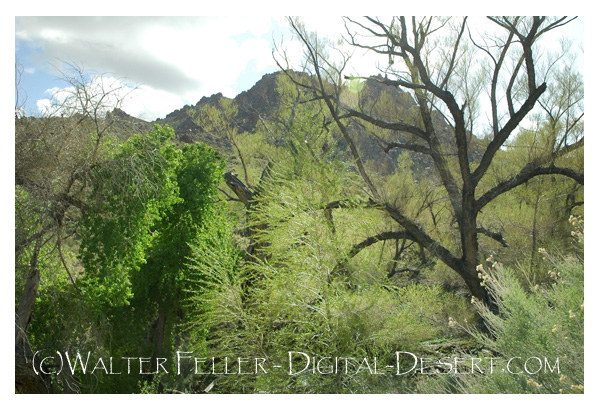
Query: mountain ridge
{"points": [[262, 101]]}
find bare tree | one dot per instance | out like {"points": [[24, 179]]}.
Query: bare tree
{"points": [[435, 61], [20, 95]]}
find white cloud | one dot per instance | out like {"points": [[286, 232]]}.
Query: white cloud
{"points": [[149, 104], [177, 60], [174, 60], [259, 50], [142, 102]]}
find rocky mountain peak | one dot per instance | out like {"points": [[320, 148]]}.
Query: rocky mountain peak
{"points": [[376, 97]]}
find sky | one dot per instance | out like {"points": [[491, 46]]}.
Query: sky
{"points": [[171, 61]]}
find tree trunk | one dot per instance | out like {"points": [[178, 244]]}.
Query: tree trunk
{"points": [[470, 257], [26, 380], [159, 333], [25, 308], [533, 250]]}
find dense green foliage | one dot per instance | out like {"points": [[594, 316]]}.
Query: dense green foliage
{"points": [[290, 297], [147, 203], [160, 271]]}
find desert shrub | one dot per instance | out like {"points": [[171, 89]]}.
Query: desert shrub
{"points": [[541, 328], [291, 303]]}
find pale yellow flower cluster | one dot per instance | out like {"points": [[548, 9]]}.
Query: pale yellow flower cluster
{"points": [[555, 275], [578, 225], [486, 278], [534, 384]]}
